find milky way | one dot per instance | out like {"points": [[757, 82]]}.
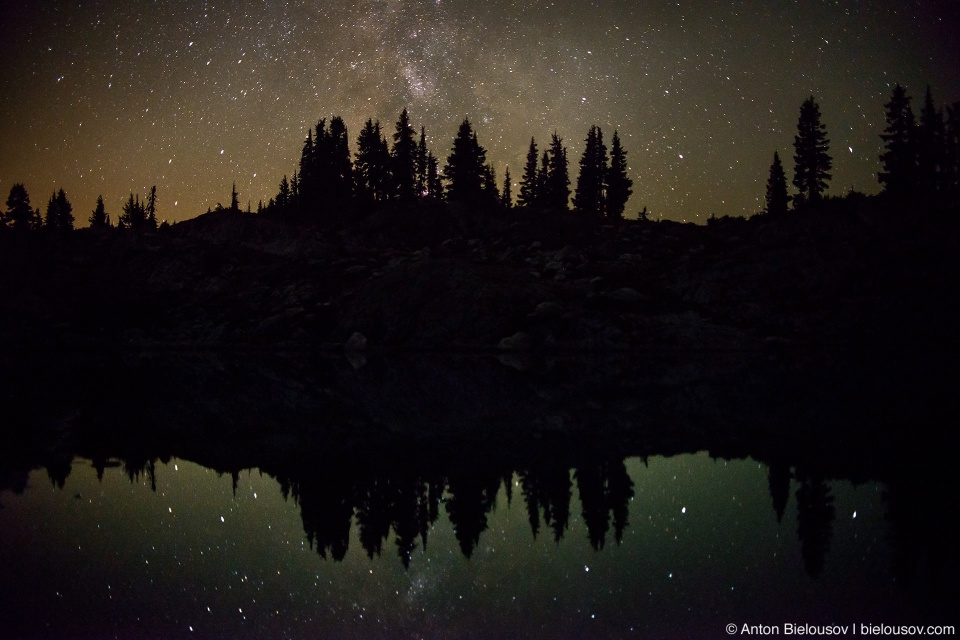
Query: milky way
{"points": [[113, 97]]}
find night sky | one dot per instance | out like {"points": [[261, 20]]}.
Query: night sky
{"points": [[110, 98]]}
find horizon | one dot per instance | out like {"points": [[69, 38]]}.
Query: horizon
{"points": [[701, 98]]}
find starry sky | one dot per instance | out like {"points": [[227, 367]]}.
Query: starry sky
{"points": [[107, 97], [703, 548]]}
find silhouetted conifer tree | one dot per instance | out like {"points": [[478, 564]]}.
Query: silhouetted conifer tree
{"points": [[372, 165], [815, 514], [931, 150], [899, 159], [341, 167], [590, 196], [19, 214], [812, 162], [530, 182], [307, 169], [506, 194], [59, 212], [557, 180], [619, 184], [134, 216], [404, 160], [99, 218], [422, 154], [777, 198], [434, 182], [234, 199], [282, 201], [491, 195], [542, 174], [465, 168], [151, 208], [325, 180], [296, 199]]}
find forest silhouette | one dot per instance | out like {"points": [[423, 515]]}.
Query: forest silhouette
{"points": [[405, 249], [332, 187]]}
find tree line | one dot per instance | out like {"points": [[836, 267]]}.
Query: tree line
{"points": [[329, 182], [136, 214], [920, 158]]}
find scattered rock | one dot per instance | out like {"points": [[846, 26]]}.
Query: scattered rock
{"points": [[519, 341], [357, 342]]}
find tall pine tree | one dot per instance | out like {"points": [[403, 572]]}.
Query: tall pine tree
{"points": [[59, 213], [557, 180], [899, 158], [422, 154], [777, 199], [931, 150], [404, 161], [99, 218], [590, 195], [371, 167], [465, 169], [506, 194], [619, 184], [812, 160], [530, 182], [19, 214]]}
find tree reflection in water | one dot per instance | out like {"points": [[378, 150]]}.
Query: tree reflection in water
{"points": [[382, 454]]}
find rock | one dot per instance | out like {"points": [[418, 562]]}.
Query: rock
{"points": [[519, 341], [357, 342], [546, 311], [595, 285], [625, 295]]}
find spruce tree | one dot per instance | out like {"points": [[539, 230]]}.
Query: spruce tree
{"points": [[590, 195], [465, 169], [282, 201], [338, 164], [506, 194], [543, 172], [491, 194], [371, 167], [19, 214], [434, 182], [530, 182], [151, 208], [59, 212], [99, 218], [404, 160], [619, 184], [812, 160], [899, 159], [134, 215], [234, 201], [931, 149], [777, 198], [422, 154], [557, 183]]}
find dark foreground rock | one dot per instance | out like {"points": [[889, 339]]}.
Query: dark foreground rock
{"points": [[851, 272]]}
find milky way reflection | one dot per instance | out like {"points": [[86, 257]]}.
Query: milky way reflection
{"points": [[214, 554]]}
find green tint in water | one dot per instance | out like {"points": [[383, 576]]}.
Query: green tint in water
{"points": [[702, 548]]}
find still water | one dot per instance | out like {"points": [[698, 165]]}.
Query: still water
{"points": [[183, 551], [267, 495]]}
